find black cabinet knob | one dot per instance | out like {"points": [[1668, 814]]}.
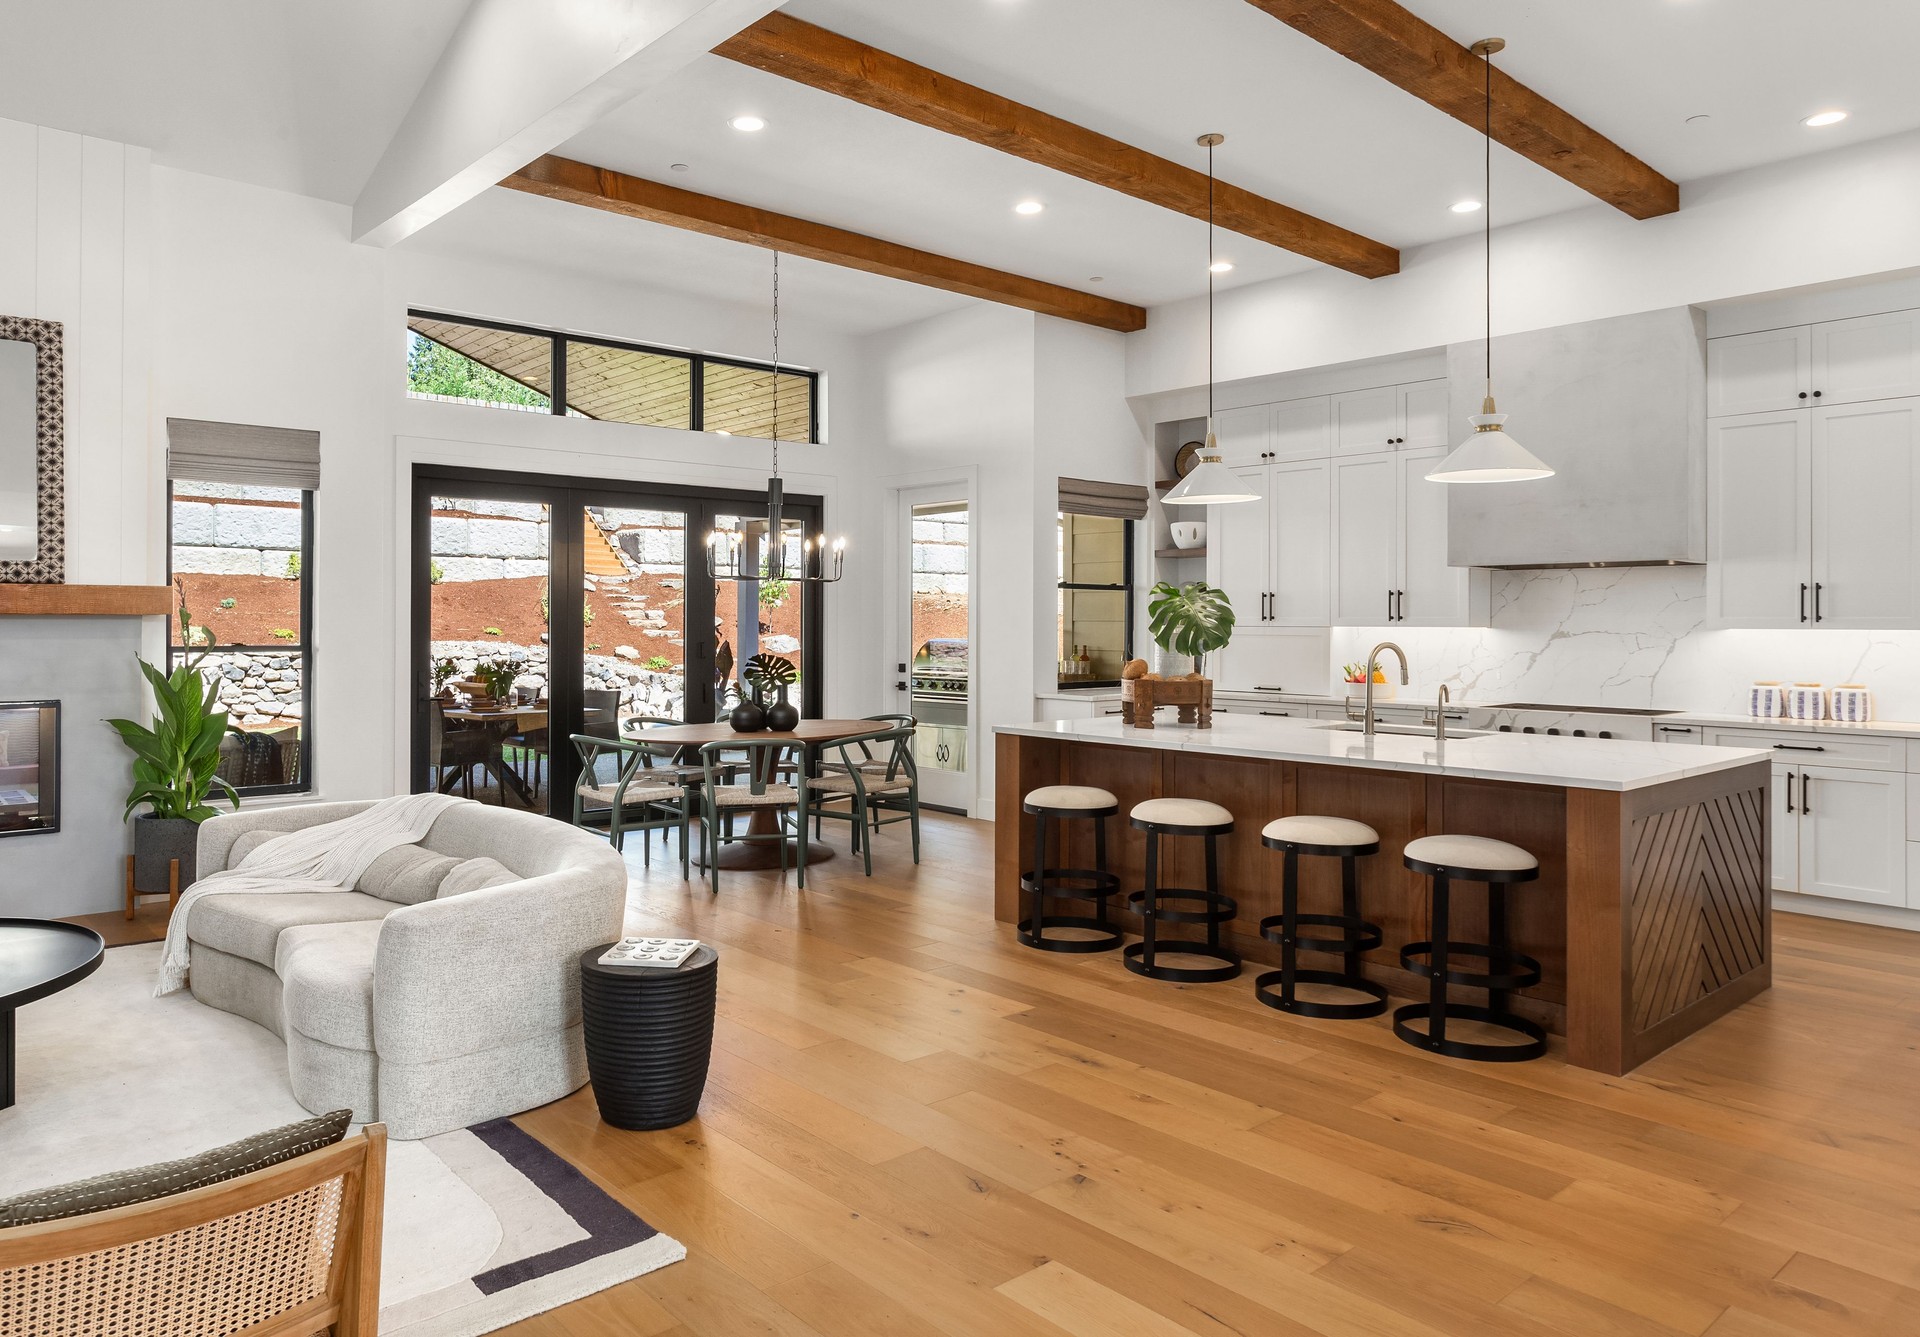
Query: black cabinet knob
{"points": [[1816, 394], [1803, 394]]}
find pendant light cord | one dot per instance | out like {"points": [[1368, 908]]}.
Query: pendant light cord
{"points": [[776, 364], [1487, 209], [1209, 287]]}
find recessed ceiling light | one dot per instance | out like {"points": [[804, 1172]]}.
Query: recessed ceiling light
{"points": [[1028, 207], [676, 166], [1820, 118], [748, 123], [1467, 207], [1097, 278], [1220, 266]]}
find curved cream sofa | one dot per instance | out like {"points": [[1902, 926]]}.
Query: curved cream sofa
{"points": [[427, 1016]]}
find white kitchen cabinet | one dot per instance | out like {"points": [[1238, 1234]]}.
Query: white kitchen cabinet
{"points": [[1244, 435], [1271, 555], [1425, 415], [1869, 357], [1366, 420], [1301, 429], [1239, 538], [1811, 516], [1852, 834], [1390, 547], [1759, 373]]}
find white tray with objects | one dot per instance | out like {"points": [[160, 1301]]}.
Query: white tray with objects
{"points": [[649, 953]]}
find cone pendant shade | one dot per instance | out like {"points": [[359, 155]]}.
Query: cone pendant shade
{"points": [[1489, 455], [1209, 483]]}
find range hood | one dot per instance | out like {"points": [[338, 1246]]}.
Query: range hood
{"points": [[1618, 408]]}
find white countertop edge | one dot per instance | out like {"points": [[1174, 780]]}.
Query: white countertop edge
{"points": [[1871, 729]]}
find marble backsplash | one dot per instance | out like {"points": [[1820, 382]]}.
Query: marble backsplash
{"points": [[1632, 636]]}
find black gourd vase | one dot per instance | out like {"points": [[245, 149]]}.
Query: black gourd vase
{"points": [[783, 716], [747, 717]]}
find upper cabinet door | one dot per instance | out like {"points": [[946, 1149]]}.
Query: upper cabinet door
{"points": [[1865, 503], [1873, 357], [1759, 567], [1303, 429], [1366, 420], [1424, 409], [1301, 496], [1238, 560], [1366, 539], [1759, 373], [1243, 434], [1431, 593]]}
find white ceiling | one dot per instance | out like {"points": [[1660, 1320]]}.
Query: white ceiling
{"points": [[305, 97]]}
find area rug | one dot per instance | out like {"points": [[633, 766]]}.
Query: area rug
{"points": [[485, 1226]]}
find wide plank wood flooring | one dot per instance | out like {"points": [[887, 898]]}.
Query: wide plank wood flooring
{"points": [[913, 1125]]}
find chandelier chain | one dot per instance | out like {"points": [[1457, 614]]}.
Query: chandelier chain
{"points": [[776, 364], [1210, 286], [1487, 210]]}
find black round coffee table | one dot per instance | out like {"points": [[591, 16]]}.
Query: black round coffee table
{"points": [[649, 1036], [38, 957]]}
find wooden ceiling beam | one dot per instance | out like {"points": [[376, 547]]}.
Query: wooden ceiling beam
{"points": [[781, 44], [1412, 54], [601, 188]]}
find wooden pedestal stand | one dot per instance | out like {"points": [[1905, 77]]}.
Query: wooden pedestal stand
{"points": [[173, 886], [1193, 695]]}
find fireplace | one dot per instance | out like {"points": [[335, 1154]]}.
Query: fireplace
{"points": [[29, 767]]}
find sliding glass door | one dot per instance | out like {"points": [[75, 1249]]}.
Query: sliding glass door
{"points": [[548, 606]]}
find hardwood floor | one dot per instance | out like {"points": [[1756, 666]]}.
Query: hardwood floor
{"points": [[914, 1125]]}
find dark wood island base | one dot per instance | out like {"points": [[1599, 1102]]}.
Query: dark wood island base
{"points": [[1651, 917]]}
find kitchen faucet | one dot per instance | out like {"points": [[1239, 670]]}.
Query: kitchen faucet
{"points": [[1373, 658], [1440, 714]]}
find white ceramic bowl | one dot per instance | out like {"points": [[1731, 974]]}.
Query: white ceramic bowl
{"points": [[1189, 534]]}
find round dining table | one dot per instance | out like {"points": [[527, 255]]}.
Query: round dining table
{"points": [[810, 735]]}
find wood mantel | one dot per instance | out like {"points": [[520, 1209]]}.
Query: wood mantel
{"points": [[86, 600]]}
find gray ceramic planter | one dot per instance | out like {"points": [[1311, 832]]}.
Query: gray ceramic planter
{"points": [[157, 841]]}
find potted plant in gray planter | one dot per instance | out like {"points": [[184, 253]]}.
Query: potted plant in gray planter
{"points": [[174, 763]]}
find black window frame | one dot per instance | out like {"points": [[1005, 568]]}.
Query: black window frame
{"points": [[305, 783], [1126, 588], [557, 341]]}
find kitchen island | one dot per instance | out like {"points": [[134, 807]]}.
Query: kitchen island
{"points": [[1651, 915]]}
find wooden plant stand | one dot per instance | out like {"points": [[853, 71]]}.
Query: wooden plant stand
{"points": [[1192, 695], [173, 886]]}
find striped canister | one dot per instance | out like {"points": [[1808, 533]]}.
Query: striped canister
{"points": [[1807, 701], [1767, 700], [1851, 703]]}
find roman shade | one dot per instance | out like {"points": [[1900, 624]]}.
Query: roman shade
{"points": [[1121, 501], [231, 452]]}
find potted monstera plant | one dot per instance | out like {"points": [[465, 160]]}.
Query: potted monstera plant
{"points": [[174, 762], [1192, 619]]}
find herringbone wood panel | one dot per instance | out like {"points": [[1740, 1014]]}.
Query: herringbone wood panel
{"points": [[1697, 920], [915, 1126]]}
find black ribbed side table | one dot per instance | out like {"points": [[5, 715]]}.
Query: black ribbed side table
{"points": [[649, 1035]]}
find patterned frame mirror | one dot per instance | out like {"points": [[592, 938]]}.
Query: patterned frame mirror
{"points": [[32, 453]]}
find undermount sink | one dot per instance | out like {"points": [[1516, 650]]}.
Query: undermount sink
{"points": [[1406, 730]]}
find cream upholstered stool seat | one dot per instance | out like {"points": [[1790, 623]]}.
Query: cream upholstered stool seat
{"points": [[1158, 905], [1060, 804], [1339, 838], [1447, 859]]}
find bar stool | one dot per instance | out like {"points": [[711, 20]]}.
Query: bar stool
{"points": [[1335, 838], [1182, 817], [1063, 803], [1496, 863]]}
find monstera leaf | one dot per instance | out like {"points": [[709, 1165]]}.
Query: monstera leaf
{"points": [[768, 672], [1193, 619]]}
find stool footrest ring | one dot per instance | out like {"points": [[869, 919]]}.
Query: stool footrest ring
{"points": [[1047, 943], [1362, 936], [1533, 1045], [1216, 908], [1134, 954], [1267, 988], [1052, 882], [1505, 970]]}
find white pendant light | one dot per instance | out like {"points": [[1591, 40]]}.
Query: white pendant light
{"points": [[1209, 482], [1489, 455]]}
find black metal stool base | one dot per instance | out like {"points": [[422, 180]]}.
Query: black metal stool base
{"points": [[1138, 961], [1270, 988], [1506, 970], [1361, 936], [1533, 1045], [1112, 939]]}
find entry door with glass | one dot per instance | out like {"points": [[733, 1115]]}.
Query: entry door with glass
{"points": [[934, 660]]}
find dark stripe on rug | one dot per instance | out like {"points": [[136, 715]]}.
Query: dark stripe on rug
{"points": [[609, 1226]]}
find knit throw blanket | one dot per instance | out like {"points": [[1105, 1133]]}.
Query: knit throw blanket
{"points": [[328, 857]]}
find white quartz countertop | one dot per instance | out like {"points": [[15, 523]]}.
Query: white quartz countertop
{"points": [[1575, 763], [1871, 729]]}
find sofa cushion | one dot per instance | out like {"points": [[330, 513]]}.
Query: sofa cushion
{"points": [[407, 874], [124, 1188], [249, 924], [246, 843], [326, 981], [477, 875]]}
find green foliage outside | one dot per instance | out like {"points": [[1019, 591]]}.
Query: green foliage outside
{"points": [[293, 566], [227, 603], [435, 369], [284, 634], [657, 663], [435, 572]]}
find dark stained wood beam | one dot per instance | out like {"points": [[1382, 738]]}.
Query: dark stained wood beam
{"points": [[797, 50], [600, 188], [1412, 54]]}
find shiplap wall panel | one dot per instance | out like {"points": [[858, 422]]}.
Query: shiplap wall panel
{"points": [[19, 222], [95, 531], [143, 505]]}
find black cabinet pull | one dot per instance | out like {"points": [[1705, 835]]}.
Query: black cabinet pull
{"points": [[1389, 605], [1799, 747], [1806, 784], [1803, 601], [1817, 587], [1803, 395], [1277, 712], [1676, 728], [1803, 797], [1789, 791]]}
